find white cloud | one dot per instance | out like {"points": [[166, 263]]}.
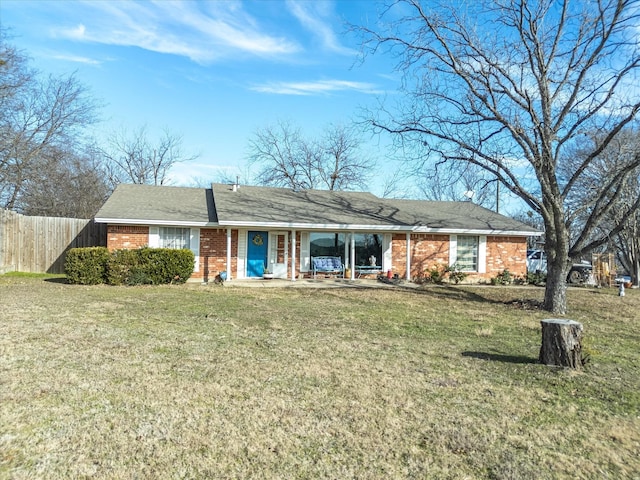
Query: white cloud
{"points": [[178, 28], [76, 59], [315, 17], [320, 87]]}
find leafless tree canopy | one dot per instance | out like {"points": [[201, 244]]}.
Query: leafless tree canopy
{"points": [[621, 223], [65, 184], [135, 158], [509, 86], [37, 116], [285, 158]]}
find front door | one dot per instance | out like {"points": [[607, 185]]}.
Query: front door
{"points": [[257, 253], [278, 254]]}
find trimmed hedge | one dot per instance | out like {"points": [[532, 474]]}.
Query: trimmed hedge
{"points": [[123, 265], [134, 267], [86, 266]]}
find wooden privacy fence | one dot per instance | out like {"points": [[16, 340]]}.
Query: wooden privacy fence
{"points": [[39, 244]]}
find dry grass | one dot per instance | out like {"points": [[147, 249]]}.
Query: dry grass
{"points": [[201, 382]]}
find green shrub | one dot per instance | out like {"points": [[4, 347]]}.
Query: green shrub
{"points": [[503, 278], [123, 264], [436, 274], [150, 266], [165, 265], [91, 266], [537, 278], [455, 274], [86, 266]]}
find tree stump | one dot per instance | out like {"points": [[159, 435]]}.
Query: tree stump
{"points": [[561, 343]]}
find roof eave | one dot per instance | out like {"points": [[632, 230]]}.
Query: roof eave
{"points": [[377, 228], [138, 221]]}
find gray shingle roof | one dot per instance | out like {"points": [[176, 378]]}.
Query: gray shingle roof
{"points": [[159, 204], [282, 207]]}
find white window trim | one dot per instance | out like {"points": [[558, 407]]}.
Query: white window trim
{"points": [[305, 249], [387, 254], [194, 242], [453, 250], [482, 252]]}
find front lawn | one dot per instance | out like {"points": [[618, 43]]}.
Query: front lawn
{"points": [[215, 382]]}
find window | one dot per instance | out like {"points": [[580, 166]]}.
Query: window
{"points": [[175, 237], [368, 249], [326, 244], [367, 245], [467, 253]]}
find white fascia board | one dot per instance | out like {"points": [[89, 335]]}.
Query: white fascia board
{"points": [[478, 231], [134, 221], [315, 226], [377, 228]]}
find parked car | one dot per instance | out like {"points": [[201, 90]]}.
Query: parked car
{"points": [[580, 273], [536, 261]]}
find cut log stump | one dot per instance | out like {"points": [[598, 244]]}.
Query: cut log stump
{"points": [[561, 343]]}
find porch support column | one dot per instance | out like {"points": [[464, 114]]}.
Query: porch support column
{"points": [[408, 242], [293, 255], [353, 256], [229, 275]]}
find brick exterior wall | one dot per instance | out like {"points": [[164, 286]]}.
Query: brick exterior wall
{"points": [[429, 250], [506, 253], [213, 253], [127, 236]]}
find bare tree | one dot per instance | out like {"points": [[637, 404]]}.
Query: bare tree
{"points": [[508, 85], [456, 182], [65, 184], [341, 164], [286, 159], [283, 157], [627, 240], [36, 114], [133, 157], [619, 153]]}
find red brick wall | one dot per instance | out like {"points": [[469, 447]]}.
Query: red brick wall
{"points": [[213, 247], [213, 253], [127, 236], [428, 250], [506, 253]]}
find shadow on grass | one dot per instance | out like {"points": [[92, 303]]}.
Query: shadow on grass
{"points": [[61, 280], [453, 292], [498, 357]]}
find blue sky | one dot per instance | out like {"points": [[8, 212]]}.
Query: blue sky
{"points": [[211, 71]]}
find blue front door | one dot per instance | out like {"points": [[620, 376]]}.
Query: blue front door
{"points": [[257, 253]]}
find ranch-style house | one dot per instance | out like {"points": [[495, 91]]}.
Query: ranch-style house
{"points": [[247, 231]]}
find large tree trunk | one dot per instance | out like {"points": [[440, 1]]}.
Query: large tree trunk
{"points": [[558, 265], [555, 294]]}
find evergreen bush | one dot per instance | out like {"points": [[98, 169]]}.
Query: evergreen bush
{"points": [[86, 266]]}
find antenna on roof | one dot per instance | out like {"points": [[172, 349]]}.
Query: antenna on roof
{"points": [[469, 194], [236, 186]]}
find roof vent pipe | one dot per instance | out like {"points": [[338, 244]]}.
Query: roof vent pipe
{"points": [[236, 186]]}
